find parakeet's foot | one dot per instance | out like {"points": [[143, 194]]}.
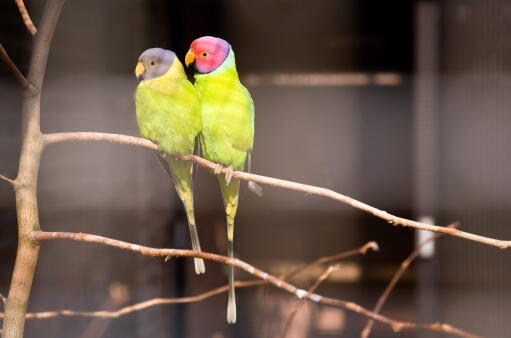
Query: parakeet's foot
{"points": [[218, 168], [228, 174], [199, 266]]}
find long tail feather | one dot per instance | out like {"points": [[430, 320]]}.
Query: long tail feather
{"points": [[231, 303], [182, 176], [186, 197], [230, 195]]}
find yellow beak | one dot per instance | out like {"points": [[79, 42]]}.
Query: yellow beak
{"points": [[139, 70], [190, 57]]}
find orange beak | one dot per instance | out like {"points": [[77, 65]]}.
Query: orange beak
{"points": [[139, 70], [190, 57]]}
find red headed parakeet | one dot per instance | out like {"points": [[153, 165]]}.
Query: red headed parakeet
{"points": [[169, 114], [227, 134]]}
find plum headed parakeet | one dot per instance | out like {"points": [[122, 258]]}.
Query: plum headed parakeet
{"points": [[169, 114], [227, 134]]}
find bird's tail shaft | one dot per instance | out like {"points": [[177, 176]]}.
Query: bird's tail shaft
{"points": [[230, 195], [231, 303], [187, 198]]}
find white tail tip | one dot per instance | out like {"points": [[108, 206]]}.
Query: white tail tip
{"points": [[231, 311], [199, 266]]}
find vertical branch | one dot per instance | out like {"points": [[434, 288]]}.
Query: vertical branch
{"points": [[404, 265], [26, 182]]}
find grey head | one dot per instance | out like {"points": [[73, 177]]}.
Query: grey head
{"points": [[154, 62]]}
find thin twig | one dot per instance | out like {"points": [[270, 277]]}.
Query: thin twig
{"points": [[131, 140], [362, 250], [17, 73], [7, 179], [162, 301], [404, 265], [299, 293], [300, 302], [26, 18]]}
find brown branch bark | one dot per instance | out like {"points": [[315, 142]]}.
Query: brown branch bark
{"points": [[26, 182], [299, 293], [136, 141], [404, 265], [300, 302], [26, 18], [15, 70], [362, 250], [162, 301]]}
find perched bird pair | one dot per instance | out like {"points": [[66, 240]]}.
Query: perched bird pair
{"points": [[172, 112]]}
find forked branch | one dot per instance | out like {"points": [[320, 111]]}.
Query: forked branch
{"points": [[163, 301], [404, 265], [300, 302], [299, 293], [136, 141]]}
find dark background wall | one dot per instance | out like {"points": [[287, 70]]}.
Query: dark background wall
{"points": [[394, 66]]}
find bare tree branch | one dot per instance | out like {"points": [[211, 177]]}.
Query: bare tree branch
{"points": [[300, 302], [362, 250], [15, 70], [136, 141], [404, 265], [26, 18], [299, 293], [26, 190], [8, 180], [162, 301]]}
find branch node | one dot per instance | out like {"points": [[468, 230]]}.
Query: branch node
{"points": [[13, 183], [396, 327], [370, 245]]}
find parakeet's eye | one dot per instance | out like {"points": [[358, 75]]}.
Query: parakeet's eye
{"points": [[204, 54], [152, 63]]}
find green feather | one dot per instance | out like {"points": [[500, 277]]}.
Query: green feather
{"points": [[227, 138], [169, 114]]}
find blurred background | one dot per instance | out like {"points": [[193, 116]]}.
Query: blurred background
{"points": [[403, 105]]}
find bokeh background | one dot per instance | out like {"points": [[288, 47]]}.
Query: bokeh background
{"points": [[404, 105]]}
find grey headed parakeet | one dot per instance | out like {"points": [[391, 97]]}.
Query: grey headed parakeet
{"points": [[227, 133], [169, 114]]}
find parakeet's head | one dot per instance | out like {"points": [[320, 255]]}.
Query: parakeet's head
{"points": [[207, 54], [154, 62]]}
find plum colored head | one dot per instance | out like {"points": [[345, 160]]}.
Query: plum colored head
{"points": [[207, 53]]}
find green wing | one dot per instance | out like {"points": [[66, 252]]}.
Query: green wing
{"points": [[170, 116]]}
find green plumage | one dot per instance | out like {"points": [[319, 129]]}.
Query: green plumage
{"points": [[227, 133], [227, 138], [169, 114]]}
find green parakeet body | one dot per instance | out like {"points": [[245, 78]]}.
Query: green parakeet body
{"points": [[169, 114], [227, 125]]}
